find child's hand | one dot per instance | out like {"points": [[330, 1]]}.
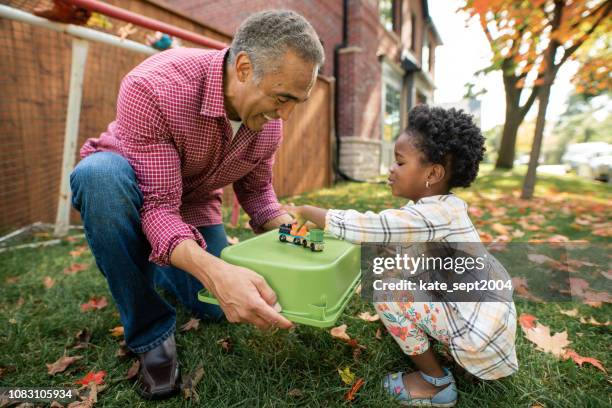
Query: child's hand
{"points": [[297, 214]]}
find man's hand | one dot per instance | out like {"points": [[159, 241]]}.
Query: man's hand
{"points": [[244, 296]]}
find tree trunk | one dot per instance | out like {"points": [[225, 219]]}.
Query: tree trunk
{"points": [[530, 178], [505, 157]]}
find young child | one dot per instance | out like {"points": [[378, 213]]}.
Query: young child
{"points": [[440, 150]]}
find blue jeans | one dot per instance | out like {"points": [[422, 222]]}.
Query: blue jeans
{"points": [[107, 195]]}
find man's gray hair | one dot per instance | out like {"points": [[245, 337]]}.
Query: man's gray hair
{"points": [[266, 37]]}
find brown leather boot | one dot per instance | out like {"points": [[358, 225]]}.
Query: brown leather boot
{"points": [[158, 376]]}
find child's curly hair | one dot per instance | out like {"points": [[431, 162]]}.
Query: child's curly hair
{"points": [[444, 135]]}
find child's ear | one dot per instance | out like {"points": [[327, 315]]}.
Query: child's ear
{"points": [[436, 173]]}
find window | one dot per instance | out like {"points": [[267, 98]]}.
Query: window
{"points": [[392, 89], [425, 54], [413, 31], [385, 12]]}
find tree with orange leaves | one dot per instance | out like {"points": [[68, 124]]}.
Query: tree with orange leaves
{"points": [[530, 41]]}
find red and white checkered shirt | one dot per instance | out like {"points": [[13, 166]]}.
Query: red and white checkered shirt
{"points": [[172, 128]]}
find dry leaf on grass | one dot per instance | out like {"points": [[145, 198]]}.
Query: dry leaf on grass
{"points": [[578, 359], [339, 332], [48, 282], [191, 382], [378, 334], [540, 259], [527, 321], [192, 324], [571, 312], [82, 338], [346, 375], [92, 377], [62, 364], [593, 322], [95, 303], [500, 229], [295, 393], [350, 395], [75, 268], [519, 284], [78, 251], [133, 370], [117, 331], [540, 336], [225, 343], [369, 317]]}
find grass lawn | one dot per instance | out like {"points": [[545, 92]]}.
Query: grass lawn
{"points": [[300, 368]]}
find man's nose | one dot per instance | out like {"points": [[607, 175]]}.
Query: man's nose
{"points": [[284, 111]]}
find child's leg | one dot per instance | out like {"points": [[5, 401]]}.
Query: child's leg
{"points": [[409, 323]]}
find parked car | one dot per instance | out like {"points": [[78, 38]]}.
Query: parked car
{"points": [[581, 154], [601, 168]]}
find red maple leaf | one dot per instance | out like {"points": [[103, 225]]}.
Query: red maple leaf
{"points": [[94, 303], [92, 377]]}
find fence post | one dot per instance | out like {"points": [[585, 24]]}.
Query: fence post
{"points": [[77, 73]]}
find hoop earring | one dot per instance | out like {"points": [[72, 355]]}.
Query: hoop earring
{"points": [[427, 184]]}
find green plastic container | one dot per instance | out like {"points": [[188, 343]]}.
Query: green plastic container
{"points": [[313, 288]]}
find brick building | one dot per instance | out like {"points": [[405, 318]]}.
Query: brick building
{"points": [[380, 52]]}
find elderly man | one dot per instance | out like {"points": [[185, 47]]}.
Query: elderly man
{"points": [[190, 121]]}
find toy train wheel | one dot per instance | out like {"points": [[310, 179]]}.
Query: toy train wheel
{"points": [[283, 238], [313, 247], [305, 243], [297, 241]]}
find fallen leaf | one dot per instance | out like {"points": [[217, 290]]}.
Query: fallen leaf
{"points": [[117, 331], [593, 322], [19, 302], [78, 251], [133, 370], [190, 383], [55, 404], [340, 333], [75, 268], [378, 334], [500, 229], [527, 321], [578, 359], [82, 338], [607, 274], [95, 303], [369, 317], [92, 377], [346, 375], [233, 240], [11, 280], [571, 312], [578, 286], [519, 284], [48, 282], [539, 259], [595, 299], [350, 395], [475, 211], [540, 336], [225, 343], [295, 393], [62, 364], [192, 324], [558, 238], [123, 350], [518, 233]]}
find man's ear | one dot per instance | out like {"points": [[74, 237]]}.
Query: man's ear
{"points": [[243, 66]]}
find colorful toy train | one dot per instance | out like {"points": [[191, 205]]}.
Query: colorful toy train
{"points": [[312, 239]]}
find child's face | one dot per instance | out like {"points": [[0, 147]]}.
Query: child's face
{"points": [[408, 175]]}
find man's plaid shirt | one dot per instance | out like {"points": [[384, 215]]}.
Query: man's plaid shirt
{"points": [[172, 128]]}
